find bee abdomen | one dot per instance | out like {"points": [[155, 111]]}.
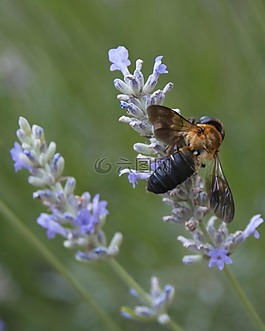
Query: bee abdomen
{"points": [[172, 172]]}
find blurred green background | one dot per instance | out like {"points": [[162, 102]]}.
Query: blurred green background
{"points": [[54, 71]]}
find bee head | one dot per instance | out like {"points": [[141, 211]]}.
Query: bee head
{"points": [[214, 122]]}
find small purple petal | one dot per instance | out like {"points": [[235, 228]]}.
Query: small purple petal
{"points": [[85, 256], [219, 258], [89, 216], [159, 67], [86, 221], [255, 221], [53, 228], [133, 292], [99, 207], [125, 314], [95, 254], [134, 175], [85, 199], [119, 58], [15, 152]]}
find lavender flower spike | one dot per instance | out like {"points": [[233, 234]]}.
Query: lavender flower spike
{"points": [[160, 299], [78, 219], [135, 92], [223, 243]]}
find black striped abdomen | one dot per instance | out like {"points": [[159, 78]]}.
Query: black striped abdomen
{"points": [[172, 172]]}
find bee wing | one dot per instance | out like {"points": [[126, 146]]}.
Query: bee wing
{"points": [[168, 124], [220, 195]]}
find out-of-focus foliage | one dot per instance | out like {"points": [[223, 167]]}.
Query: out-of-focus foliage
{"points": [[54, 71]]}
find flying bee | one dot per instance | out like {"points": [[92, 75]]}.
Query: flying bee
{"points": [[189, 146]]}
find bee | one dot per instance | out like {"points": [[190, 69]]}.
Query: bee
{"points": [[189, 146]]}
